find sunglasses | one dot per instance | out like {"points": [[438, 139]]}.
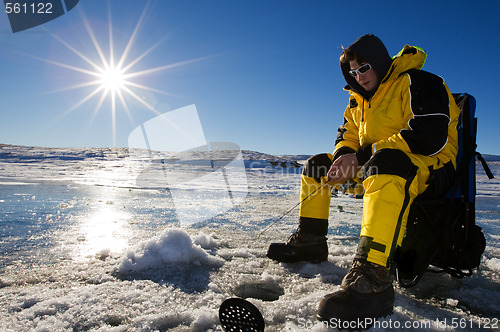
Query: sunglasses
{"points": [[361, 70]]}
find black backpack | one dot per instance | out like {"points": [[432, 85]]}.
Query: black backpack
{"points": [[441, 234]]}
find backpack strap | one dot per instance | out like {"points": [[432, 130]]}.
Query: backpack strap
{"points": [[485, 166]]}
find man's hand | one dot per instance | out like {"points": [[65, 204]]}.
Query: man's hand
{"points": [[343, 168]]}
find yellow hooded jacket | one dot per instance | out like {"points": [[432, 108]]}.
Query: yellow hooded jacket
{"points": [[421, 122]]}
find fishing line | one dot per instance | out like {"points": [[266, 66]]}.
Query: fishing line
{"points": [[287, 212], [238, 314]]}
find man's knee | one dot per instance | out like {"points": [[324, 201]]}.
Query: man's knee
{"points": [[390, 162], [317, 166], [440, 181]]}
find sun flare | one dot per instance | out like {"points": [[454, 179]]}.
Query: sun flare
{"points": [[113, 77]]}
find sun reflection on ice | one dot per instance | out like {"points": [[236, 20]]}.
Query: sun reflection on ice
{"points": [[103, 231]]}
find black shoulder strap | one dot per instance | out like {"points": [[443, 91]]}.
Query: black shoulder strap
{"points": [[485, 165]]}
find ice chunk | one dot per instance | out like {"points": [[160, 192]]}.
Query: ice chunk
{"points": [[174, 246]]}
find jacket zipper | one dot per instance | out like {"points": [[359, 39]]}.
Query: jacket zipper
{"points": [[363, 109]]}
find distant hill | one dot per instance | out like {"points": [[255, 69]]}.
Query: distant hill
{"points": [[19, 152], [490, 157]]}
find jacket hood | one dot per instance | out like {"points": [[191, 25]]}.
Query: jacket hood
{"points": [[370, 48], [374, 52], [410, 57]]}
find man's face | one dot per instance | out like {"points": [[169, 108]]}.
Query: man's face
{"points": [[368, 79]]}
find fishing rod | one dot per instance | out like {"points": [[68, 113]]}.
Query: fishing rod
{"points": [[287, 212], [238, 314]]}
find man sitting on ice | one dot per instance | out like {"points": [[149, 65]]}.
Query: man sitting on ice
{"points": [[399, 140]]}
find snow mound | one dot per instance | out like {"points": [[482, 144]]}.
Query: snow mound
{"points": [[206, 241], [174, 246]]}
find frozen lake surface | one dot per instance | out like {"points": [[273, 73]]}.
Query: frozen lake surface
{"points": [[90, 240]]}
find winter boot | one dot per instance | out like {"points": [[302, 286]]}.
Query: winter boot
{"points": [[307, 244], [366, 292]]}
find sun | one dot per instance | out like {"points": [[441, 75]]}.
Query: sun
{"points": [[113, 79], [111, 73]]}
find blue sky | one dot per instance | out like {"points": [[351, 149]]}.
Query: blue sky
{"points": [[263, 74]]}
